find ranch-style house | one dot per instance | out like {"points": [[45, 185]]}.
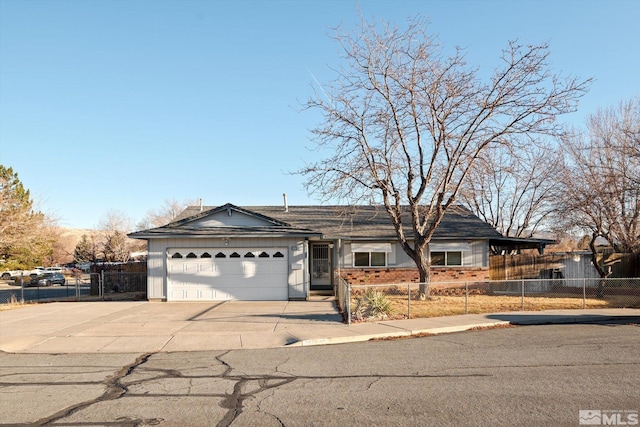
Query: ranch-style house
{"points": [[286, 252]]}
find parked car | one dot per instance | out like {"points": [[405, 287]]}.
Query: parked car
{"points": [[48, 279], [16, 274]]}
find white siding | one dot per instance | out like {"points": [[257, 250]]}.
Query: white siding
{"points": [[223, 219], [476, 256]]}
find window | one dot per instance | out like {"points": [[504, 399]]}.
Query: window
{"points": [[278, 255], [192, 255], [249, 255], [234, 255], [220, 255], [176, 255], [449, 259], [263, 255], [205, 255], [369, 259]]}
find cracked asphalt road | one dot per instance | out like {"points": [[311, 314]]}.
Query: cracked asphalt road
{"points": [[540, 375]]}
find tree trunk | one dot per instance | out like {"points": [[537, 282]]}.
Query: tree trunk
{"points": [[594, 260], [424, 269]]}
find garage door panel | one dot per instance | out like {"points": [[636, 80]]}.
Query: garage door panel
{"points": [[229, 274]]}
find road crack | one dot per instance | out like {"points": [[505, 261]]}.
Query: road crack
{"points": [[114, 390]]}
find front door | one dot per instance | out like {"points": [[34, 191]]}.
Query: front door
{"points": [[321, 269]]}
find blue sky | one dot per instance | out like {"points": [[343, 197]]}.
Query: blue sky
{"points": [[122, 104]]}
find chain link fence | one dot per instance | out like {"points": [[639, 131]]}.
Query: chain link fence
{"points": [[106, 285], [415, 300], [26, 289]]}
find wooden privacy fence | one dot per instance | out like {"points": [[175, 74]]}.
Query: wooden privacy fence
{"points": [[561, 265]]}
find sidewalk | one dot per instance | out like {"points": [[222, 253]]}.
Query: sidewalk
{"points": [[141, 327], [460, 323]]}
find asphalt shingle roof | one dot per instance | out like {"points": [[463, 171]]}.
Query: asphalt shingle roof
{"points": [[346, 222]]}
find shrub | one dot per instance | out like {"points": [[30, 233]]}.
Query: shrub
{"points": [[372, 305]]}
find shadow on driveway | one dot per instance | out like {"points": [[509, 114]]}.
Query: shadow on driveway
{"points": [[301, 317], [287, 312]]}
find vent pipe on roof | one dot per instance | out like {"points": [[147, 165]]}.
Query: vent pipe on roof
{"points": [[286, 205], [201, 207]]}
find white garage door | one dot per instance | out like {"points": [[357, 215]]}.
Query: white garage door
{"points": [[222, 274]]}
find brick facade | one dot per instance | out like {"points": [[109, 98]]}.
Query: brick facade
{"points": [[360, 276]]}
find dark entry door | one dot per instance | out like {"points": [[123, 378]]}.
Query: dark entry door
{"points": [[321, 269]]}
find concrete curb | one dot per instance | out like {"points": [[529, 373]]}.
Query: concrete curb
{"points": [[543, 320], [347, 339], [585, 318], [399, 334]]}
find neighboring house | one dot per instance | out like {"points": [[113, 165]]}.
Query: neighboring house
{"points": [[281, 253]]}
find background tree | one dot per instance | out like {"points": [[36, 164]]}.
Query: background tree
{"points": [[64, 243], [117, 247], [87, 249], [601, 180], [403, 125], [166, 213], [24, 240], [47, 246], [513, 190]]}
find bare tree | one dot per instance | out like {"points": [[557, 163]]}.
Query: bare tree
{"points": [[117, 247], [403, 125], [622, 126], [602, 180], [166, 213], [514, 190]]}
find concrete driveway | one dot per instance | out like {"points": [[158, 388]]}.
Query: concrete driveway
{"points": [[150, 327], [123, 327]]}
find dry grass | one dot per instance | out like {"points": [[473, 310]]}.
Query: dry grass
{"points": [[14, 303], [438, 306]]}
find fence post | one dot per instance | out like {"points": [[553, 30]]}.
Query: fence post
{"points": [[408, 301], [466, 297], [102, 284], [348, 303], [22, 287], [584, 293], [522, 294]]}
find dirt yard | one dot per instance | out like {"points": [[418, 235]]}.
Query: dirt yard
{"points": [[441, 305]]}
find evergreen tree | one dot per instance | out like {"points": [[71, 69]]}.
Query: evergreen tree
{"points": [[21, 243], [86, 250]]}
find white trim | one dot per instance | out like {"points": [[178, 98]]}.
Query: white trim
{"points": [[450, 247], [386, 261], [370, 247]]}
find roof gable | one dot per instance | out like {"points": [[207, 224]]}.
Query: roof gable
{"points": [[228, 216], [224, 221]]}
